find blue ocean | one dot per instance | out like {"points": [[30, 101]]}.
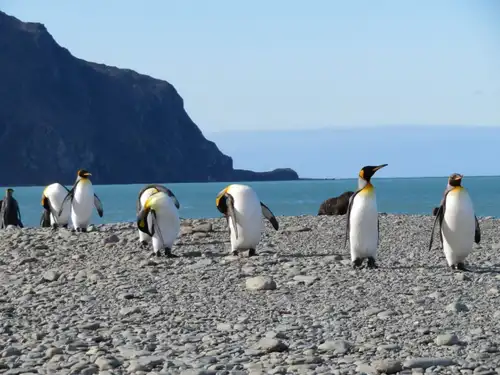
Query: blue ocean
{"points": [[197, 200]]}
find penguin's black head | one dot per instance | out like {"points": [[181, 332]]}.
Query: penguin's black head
{"points": [[367, 172], [9, 191], [455, 179], [84, 173], [220, 201]]}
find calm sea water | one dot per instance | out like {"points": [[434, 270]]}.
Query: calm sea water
{"points": [[397, 195]]}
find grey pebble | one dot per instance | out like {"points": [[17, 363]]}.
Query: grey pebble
{"points": [[260, 283]]}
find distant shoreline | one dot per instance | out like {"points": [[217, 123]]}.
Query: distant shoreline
{"points": [[250, 181], [317, 179]]}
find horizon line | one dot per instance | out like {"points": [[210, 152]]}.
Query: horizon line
{"points": [[300, 179], [353, 127]]}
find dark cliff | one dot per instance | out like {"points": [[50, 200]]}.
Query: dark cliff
{"points": [[59, 113]]}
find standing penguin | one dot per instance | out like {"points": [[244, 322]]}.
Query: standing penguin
{"points": [[362, 226], [159, 219], [83, 199], [458, 224], [10, 214], [52, 197], [143, 196], [243, 211]]}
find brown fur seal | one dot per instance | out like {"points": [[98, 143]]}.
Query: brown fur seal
{"points": [[336, 205]]}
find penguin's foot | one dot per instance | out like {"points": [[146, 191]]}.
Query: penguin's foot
{"points": [[157, 253], [357, 263], [144, 244], [234, 252], [65, 226], [251, 252], [372, 263], [84, 230], [460, 267], [168, 253]]}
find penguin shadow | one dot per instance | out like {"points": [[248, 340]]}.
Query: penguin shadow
{"points": [[469, 269], [200, 254], [409, 266], [309, 255], [484, 270]]}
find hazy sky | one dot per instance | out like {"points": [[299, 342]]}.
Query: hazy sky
{"points": [[286, 64]]}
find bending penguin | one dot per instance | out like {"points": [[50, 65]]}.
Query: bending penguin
{"points": [[10, 214], [243, 211], [52, 197], [362, 225], [159, 219], [83, 199], [143, 196], [458, 224]]}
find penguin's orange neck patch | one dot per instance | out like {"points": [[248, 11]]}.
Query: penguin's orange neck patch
{"points": [[457, 189], [368, 189]]}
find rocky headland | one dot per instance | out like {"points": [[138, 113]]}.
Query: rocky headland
{"points": [[59, 113]]}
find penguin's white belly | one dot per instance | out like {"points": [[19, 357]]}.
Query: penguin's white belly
{"points": [[249, 223], [363, 234], [144, 237], [83, 204], [56, 194], [169, 225], [458, 227]]}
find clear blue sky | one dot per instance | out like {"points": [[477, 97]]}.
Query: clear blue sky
{"points": [[286, 64]]}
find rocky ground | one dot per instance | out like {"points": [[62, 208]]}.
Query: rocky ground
{"points": [[96, 303]]}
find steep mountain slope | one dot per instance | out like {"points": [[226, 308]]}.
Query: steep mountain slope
{"points": [[59, 113]]}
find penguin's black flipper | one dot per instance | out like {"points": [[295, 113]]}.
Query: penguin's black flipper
{"points": [[3, 213], [18, 215], [98, 205], [439, 218], [378, 231], [348, 216], [230, 212], [269, 216], [477, 234], [69, 196], [155, 228]]}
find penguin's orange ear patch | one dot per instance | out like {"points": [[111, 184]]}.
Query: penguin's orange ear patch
{"points": [[362, 173]]}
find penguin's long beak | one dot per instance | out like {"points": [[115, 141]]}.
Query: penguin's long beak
{"points": [[379, 167], [458, 177], [88, 174]]}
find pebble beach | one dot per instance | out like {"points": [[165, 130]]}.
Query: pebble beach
{"points": [[98, 303]]}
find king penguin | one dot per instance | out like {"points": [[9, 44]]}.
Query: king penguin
{"points": [[10, 214], [459, 226], [52, 197], [243, 211], [143, 196], [159, 219], [83, 199], [362, 225]]}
